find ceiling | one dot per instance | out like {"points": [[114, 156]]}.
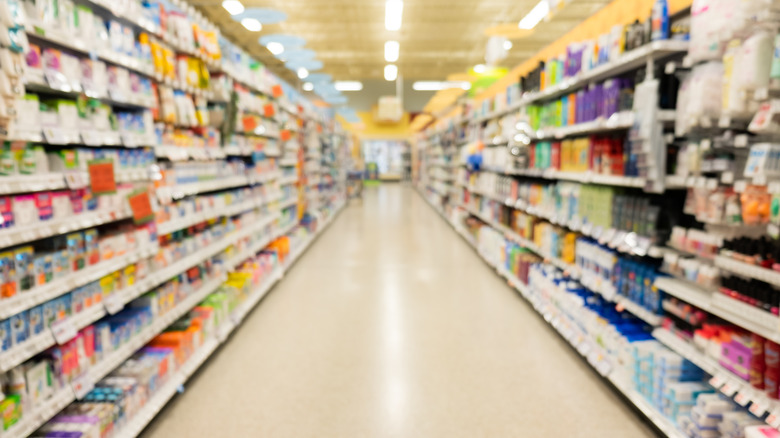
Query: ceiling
{"points": [[437, 38]]}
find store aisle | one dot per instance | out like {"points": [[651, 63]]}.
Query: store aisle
{"points": [[391, 326]]}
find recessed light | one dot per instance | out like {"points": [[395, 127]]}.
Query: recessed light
{"points": [[480, 68], [234, 7], [439, 85], [391, 72], [275, 48], [252, 24], [507, 45], [303, 73], [394, 11], [392, 49], [537, 14], [348, 85], [308, 86]]}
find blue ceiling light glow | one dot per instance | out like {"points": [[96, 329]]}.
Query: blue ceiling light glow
{"points": [[299, 54], [290, 42], [336, 100], [311, 65], [319, 78], [263, 15]]}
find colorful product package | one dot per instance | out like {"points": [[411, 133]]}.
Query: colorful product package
{"points": [[23, 261]]}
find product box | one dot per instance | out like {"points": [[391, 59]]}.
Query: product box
{"points": [[19, 328], [35, 317]]}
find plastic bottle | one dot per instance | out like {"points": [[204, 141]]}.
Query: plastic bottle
{"points": [[660, 20]]}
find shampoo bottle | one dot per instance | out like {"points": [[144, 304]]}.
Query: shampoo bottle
{"points": [[660, 20]]}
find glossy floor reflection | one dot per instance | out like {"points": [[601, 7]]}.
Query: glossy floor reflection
{"points": [[391, 326]]}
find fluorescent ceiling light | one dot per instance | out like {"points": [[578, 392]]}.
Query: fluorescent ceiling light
{"points": [[275, 48], [438, 85], [391, 72], [308, 86], [303, 73], [536, 15], [234, 7], [480, 68], [394, 11], [252, 24], [391, 51], [348, 85], [507, 45]]}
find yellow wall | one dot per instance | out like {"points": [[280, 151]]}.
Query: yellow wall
{"points": [[617, 12]]}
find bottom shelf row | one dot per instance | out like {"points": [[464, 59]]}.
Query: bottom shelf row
{"points": [[165, 339], [680, 390]]}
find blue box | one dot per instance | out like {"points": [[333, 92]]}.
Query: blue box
{"points": [[35, 316], [20, 329]]}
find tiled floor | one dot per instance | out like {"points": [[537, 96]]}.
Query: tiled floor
{"points": [[391, 326]]}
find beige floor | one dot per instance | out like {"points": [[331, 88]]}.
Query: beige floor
{"points": [[391, 326]]}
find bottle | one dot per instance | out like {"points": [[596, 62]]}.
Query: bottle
{"points": [[660, 17]]}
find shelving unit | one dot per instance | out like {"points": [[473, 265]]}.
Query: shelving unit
{"points": [[221, 187], [579, 341]]}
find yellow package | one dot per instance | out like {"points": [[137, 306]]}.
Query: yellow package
{"points": [[158, 58], [169, 63]]}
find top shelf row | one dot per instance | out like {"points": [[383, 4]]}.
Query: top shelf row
{"points": [[654, 51]]}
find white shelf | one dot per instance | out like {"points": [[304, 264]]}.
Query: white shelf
{"points": [[747, 270], [40, 230], [29, 299], [639, 311], [617, 122], [629, 61], [746, 316], [176, 153], [583, 177], [31, 183], [179, 191], [196, 218], [685, 291], [288, 162]]}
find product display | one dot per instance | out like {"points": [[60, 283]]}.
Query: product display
{"points": [[144, 208], [638, 195]]}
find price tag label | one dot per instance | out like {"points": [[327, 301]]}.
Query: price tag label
{"points": [[587, 229], [269, 110], [742, 398], [717, 381], [607, 236], [740, 186], [620, 236], [285, 135], [82, 385], [773, 419], [758, 409], [729, 389], [76, 180], [63, 331], [101, 176], [141, 207]]}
